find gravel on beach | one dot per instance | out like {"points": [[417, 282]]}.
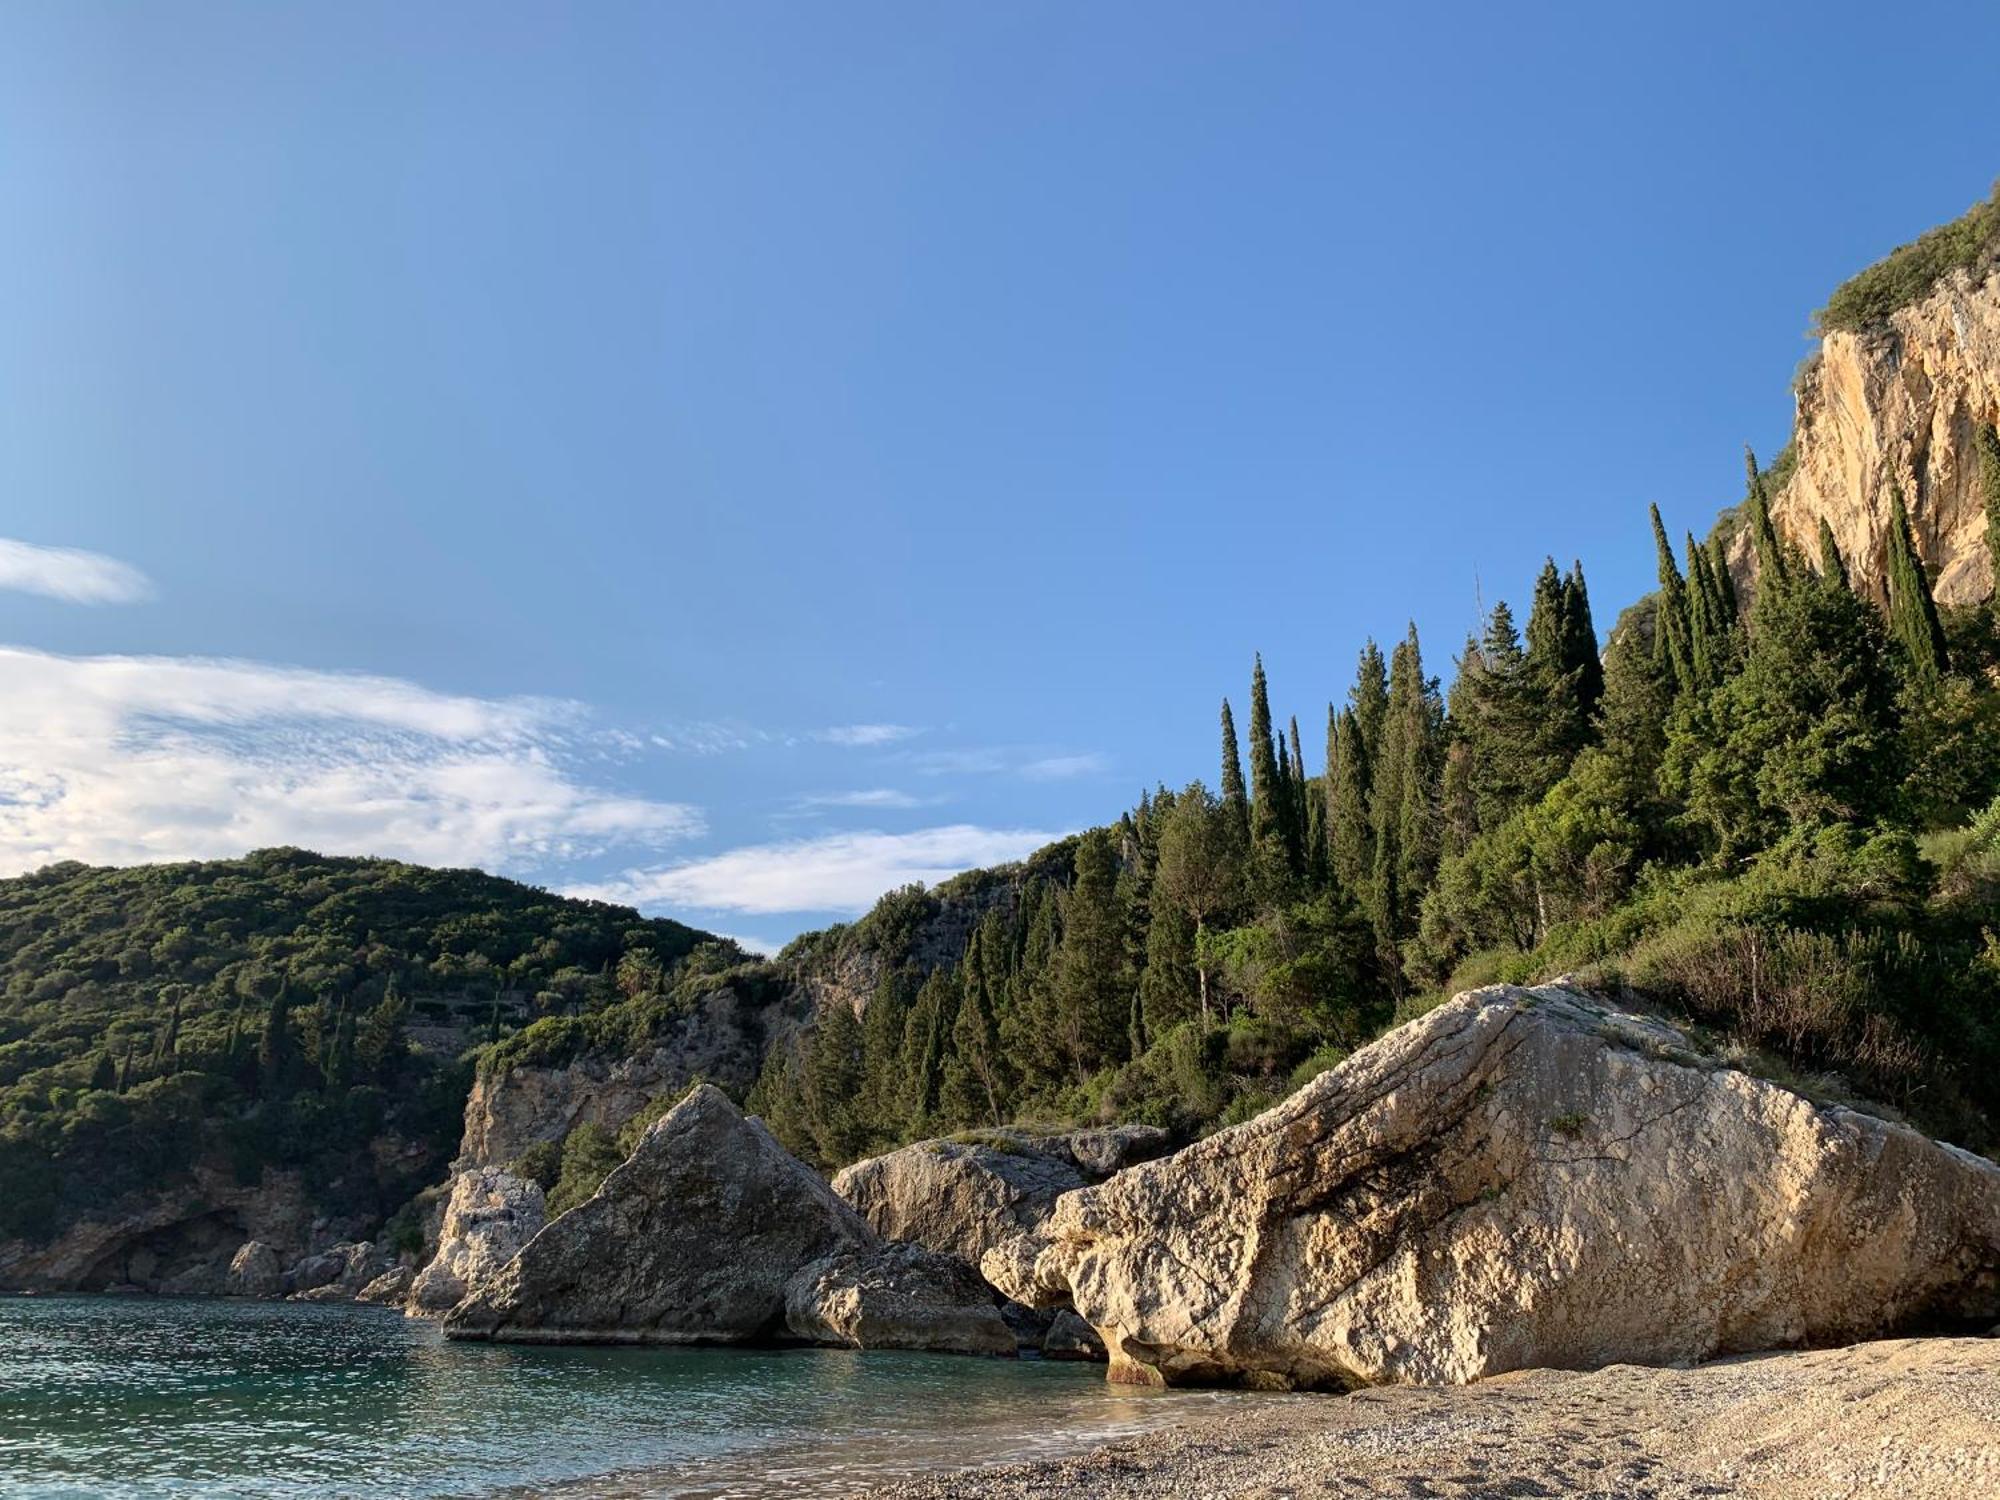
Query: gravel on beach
{"points": [[1917, 1419]]}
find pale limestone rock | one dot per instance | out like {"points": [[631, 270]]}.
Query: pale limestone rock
{"points": [[897, 1296], [254, 1271], [1520, 1178], [335, 1273], [390, 1289], [1894, 409], [490, 1216], [693, 1239], [722, 1039], [962, 1196]]}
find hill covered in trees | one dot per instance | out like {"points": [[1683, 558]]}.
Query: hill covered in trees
{"points": [[1780, 819], [286, 1009]]}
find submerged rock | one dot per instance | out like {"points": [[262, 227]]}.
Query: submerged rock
{"points": [[694, 1239], [898, 1296], [490, 1216], [1519, 1178]]}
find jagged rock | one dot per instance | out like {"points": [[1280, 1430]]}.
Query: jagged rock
{"points": [[1895, 410], [1069, 1337], [254, 1271], [390, 1289], [963, 1196], [338, 1272], [1519, 1178], [490, 1216], [722, 1038], [896, 1296], [693, 1239]]}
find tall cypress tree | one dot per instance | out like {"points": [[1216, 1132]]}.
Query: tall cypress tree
{"points": [[1403, 799], [1772, 568], [1370, 699], [975, 1034], [1580, 642], [1913, 616], [1269, 845], [1832, 566], [1350, 838], [1725, 584], [1673, 644], [1989, 485], [1091, 985], [1233, 795], [1551, 677]]}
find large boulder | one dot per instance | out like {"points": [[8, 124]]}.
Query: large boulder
{"points": [[964, 1195], [338, 1272], [898, 1296], [490, 1216], [390, 1289], [254, 1271], [1519, 1178], [694, 1239]]}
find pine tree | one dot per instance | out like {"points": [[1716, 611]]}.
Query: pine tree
{"points": [[1913, 616], [1233, 795], [830, 1084], [1673, 643]]}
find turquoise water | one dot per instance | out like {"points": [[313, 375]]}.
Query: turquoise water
{"points": [[163, 1397]]}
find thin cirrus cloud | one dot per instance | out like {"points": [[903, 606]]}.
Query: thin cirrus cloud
{"points": [[126, 759], [864, 736], [840, 872], [70, 574], [880, 796]]}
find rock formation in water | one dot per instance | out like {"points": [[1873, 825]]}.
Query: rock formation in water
{"points": [[963, 1196], [897, 1296], [490, 1216], [1519, 1178], [1894, 409], [696, 1238]]}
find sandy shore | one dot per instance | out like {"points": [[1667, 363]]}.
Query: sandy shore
{"points": [[1918, 1419]]}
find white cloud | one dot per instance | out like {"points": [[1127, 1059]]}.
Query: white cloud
{"points": [[862, 735], [880, 796], [74, 576], [1063, 767], [119, 760], [842, 872]]}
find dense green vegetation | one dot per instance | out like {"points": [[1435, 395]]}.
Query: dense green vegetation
{"points": [[1970, 242], [274, 1011], [1780, 819]]}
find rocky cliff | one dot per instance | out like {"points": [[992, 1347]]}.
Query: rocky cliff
{"points": [[1891, 408]]}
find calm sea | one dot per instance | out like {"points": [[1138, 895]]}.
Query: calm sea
{"points": [[163, 1397]]}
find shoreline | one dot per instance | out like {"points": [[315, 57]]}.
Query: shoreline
{"points": [[1918, 1419]]}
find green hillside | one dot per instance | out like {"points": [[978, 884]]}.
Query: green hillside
{"points": [[283, 1009]]}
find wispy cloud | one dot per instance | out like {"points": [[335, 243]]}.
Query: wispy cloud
{"points": [[880, 796], [843, 872], [1064, 767], [122, 759], [69, 574], [865, 735]]}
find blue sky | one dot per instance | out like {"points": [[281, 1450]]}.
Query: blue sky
{"points": [[740, 456]]}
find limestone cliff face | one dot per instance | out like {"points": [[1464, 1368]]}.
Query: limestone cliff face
{"points": [[1895, 408], [723, 1040]]}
